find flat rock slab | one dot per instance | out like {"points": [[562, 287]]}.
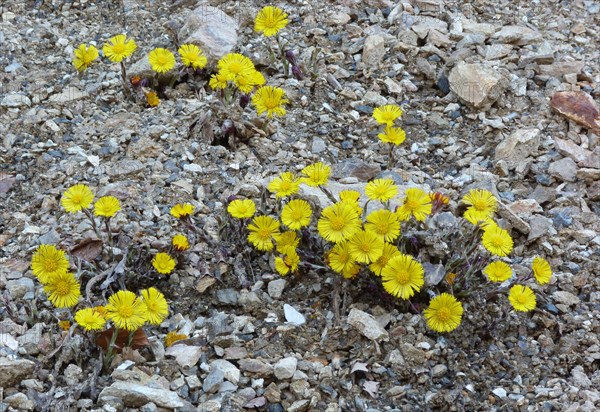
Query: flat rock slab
{"points": [[135, 395]]}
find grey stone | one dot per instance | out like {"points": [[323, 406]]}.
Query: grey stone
{"points": [[230, 371], [213, 380], [358, 168], [540, 226], [275, 288], [543, 194], [521, 144], [434, 274], [19, 402], [256, 366], [580, 378], [439, 370], [19, 287], [412, 356], [373, 50], [299, 406], [318, 145], [565, 298], [125, 167], [559, 69], [573, 150], [227, 296], [185, 355], [476, 84], [72, 374], [564, 169], [49, 238], [518, 35], [135, 395], [285, 368], [367, 325], [15, 100]]}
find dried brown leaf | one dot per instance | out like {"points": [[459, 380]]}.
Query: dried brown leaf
{"points": [[205, 283], [88, 249], [577, 106]]}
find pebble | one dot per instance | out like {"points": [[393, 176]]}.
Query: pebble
{"points": [[275, 288], [285, 368], [367, 325]]}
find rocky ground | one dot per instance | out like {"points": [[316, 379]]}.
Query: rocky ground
{"points": [[475, 79]]}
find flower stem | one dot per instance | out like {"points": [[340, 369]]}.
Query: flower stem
{"points": [[109, 350], [124, 79], [94, 226]]}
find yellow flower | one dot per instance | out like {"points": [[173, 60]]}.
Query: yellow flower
{"points": [[389, 251], [157, 308], [541, 270], [84, 56], [444, 313], [152, 99], [161, 60], [64, 324], [63, 290], [269, 99], [497, 240], [263, 230], [101, 310], [242, 208], [288, 263], [498, 271], [340, 259], [482, 205], [286, 240], [180, 242], [181, 210], [119, 47], [192, 55], [48, 261], [522, 298], [270, 20], [233, 65], [366, 246], [384, 224], [296, 214], [284, 185], [381, 189], [173, 337], [403, 276], [349, 196], [416, 203], [77, 197], [257, 78], [218, 81], [107, 206], [89, 319], [387, 114], [338, 222], [163, 263], [126, 310], [316, 175], [393, 135]]}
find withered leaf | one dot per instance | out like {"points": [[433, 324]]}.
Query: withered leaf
{"points": [[205, 283], [138, 340], [577, 106], [88, 249]]}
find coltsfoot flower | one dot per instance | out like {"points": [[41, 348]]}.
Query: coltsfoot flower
{"points": [[63, 290], [77, 197], [126, 310], [270, 20], [393, 135], [182, 210], [316, 174], [157, 307], [89, 319], [381, 189], [119, 48], [383, 223], [296, 214], [497, 241], [366, 246], [84, 56], [233, 65], [48, 261], [161, 60], [241, 208], [417, 203], [180, 242], [498, 271], [163, 263], [403, 276], [338, 222], [387, 114], [192, 56], [270, 99], [541, 270], [444, 313], [152, 99], [522, 298], [107, 206], [389, 251], [482, 205], [263, 230], [284, 185]]}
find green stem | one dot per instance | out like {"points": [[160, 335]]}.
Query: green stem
{"points": [[94, 226], [124, 79], [111, 345]]}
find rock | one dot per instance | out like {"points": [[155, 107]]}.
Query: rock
{"points": [[18, 288], [227, 296], [186, 356], [19, 402], [435, 6], [500, 392], [577, 106], [356, 167], [69, 94], [367, 325], [593, 192], [275, 288], [299, 406], [593, 160], [519, 35], [565, 298], [588, 174], [392, 86], [476, 84], [210, 29], [12, 371], [562, 220], [125, 167], [521, 144], [540, 226], [494, 51], [412, 356], [559, 69], [564, 169], [515, 221], [15, 100], [135, 395], [230, 371], [256, 366], [285, 368], [525, 207], [338, 18], [439, 39], [579, 377], [73, 374], [423, 24], [373, 50], [213, 380], [571, 149], [439, 370], [543, 194], [292, 316], [434, 274]]}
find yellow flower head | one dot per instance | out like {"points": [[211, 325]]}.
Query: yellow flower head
{"points": [[340, 259], [384, 224], [387, 114], [126, 310], [163, 263], [173, 337], [152, 99], [157, 308], [161, 60], [181, 210], [119, 47], [257, 78], [541, 270], [416, 203], [269, 99], [218, 81], [444, 313], [389, 251], [233, 65], [101, 310], [498, 271], [349, 196], [77, 197], [180, 242], [316, 175], [84, 56], [393, 135], [288, 263], [381, 189], [482, 205], [284, 185], [48, 261], [263, 230], [296, 214], [366, 246], [286, 240], [192, 55], [270, 20], [63, 290], [89, 319], [107, 206], [403, 276], [64, 325], [497, 241], [522, 298], [242, 208], [339, 222]]}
